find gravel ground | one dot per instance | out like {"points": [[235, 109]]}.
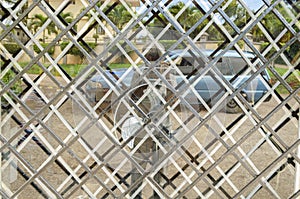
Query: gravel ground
{"points": [[282, 184]]}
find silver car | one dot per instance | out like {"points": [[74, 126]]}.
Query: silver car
{"points": [[233, 67]]}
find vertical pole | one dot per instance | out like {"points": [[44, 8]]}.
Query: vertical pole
{"points": [[297, 174]]}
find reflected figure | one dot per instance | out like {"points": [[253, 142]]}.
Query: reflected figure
{"points": [[149, 153]]}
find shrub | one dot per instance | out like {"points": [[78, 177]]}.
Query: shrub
{"points": [[74, 50], [278, 60], [168, 43], [50, 51], [291, 52], [12, 48], [16, 87]]}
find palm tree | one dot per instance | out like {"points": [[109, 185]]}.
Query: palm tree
{"points": [[68, 16], [189, 17], [94, 25], [119, 16], [38, 21]]}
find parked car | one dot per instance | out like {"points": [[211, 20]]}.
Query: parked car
{"points": [[97, 86], [231, 65]]}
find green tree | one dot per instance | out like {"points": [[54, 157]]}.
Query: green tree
{"points": [[67, 16], [188, 18], [119, 16], [38, 21], [273, 25], [236, 13], [94, 24]]}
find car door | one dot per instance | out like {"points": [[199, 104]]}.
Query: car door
{"points": [[241, 72]]}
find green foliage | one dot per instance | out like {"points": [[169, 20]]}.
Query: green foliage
{"points": [[241, 43], [119, 16], [189, 16], [72, 69], [74, 50], [9, 76], [292, 53], [118, 65], [38, 21], [187, 19], [168, 43], [12, 48], [116, 50], [68, 17], [271, 53], [44, 45], [292, 80]]}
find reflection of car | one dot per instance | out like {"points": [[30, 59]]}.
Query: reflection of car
{"points": [[98, 85], [231, 65]]}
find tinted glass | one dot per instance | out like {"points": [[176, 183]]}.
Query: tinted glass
{"points": [[224, 66]]}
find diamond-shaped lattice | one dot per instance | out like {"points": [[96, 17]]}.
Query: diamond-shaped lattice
{"points": [[171, 99]]}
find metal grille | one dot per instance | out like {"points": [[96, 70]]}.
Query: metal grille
{"points": [[73, 127]]}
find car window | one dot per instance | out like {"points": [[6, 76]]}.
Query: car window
{"points": [[228, 65], [238, 64], [232, 65], [224, 66], [185, 62]]}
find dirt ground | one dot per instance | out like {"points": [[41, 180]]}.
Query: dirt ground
{"points": [[206, 167]]}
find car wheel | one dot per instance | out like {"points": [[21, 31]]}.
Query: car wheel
{"points": [[232, 107]]}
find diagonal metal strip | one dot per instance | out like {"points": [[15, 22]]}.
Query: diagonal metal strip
{"points": [[211, 114], [40, 111], [244, 138], [196, 166]]}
